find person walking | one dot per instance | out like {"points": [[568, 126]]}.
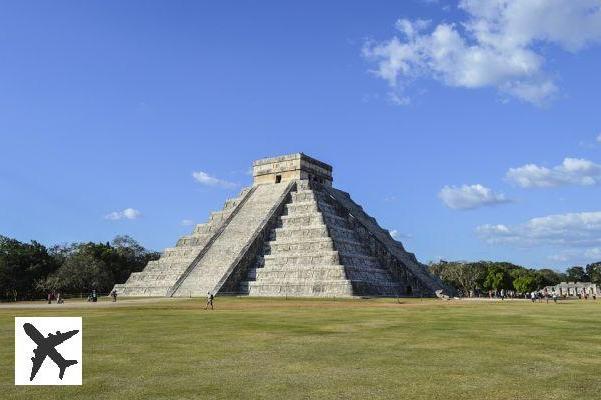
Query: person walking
{"points": [[533, 297], [114, 295], [49, 298], [210, 298]]}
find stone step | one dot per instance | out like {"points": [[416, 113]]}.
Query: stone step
{"points": [[300, 246], [317, 258], [313, 218], [296, 246], [182, 251], [309, 207], [339, 288], [142, 291], [324, 272], [195, 240], [213, 266], [299, 232], [321, 258], [218, 217], [205, 228], [309, 195]]}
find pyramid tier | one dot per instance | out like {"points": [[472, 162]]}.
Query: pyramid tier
{"points": [[159, 276]]}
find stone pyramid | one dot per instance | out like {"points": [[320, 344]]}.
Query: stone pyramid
{"points": [[290, 234]]}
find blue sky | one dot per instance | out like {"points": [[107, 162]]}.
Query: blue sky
{"points": [[470, 129]]}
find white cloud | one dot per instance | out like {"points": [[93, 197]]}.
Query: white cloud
{"points": [[499, 45], [468, 197], [396, 235], [573, 171], [599, 138], [208, 180], [128, 213], [582, 230], [187, 222]]}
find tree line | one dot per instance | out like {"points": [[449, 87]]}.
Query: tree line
{"points": [[484, 276], [31, 270]]}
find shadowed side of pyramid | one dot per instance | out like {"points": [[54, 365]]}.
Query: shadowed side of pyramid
{"points": [[290, 234]]}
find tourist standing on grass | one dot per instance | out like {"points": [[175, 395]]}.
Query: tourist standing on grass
{"points": [[554, 297], [210, 298], [114, 295], [533, 296], [49, 298]]}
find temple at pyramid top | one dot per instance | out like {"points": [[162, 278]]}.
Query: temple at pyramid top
{"points": [[290, 167], [289, 234]]}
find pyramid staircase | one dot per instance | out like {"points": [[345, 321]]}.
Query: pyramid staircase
{"points": [[315, 252], [159, 276]]}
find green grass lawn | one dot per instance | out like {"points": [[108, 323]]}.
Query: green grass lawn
{"points": [[316, 349]]}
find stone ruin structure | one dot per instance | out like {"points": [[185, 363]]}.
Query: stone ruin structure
{"points": [[574, 289], [289, 234]]}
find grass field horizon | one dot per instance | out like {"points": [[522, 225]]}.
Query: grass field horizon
{"points": [[319, 348]]}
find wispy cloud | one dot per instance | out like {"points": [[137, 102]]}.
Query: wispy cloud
{"points": [[128, 213], [575, 256], [396, 235], [573, 171], [187, 222], [205, 179], [599, 138], [469, 197], [582, 230], [500, 44]]}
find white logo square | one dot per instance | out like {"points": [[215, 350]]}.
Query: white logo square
{"points": [[48, 350]]}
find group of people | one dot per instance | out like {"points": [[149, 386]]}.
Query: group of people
{"points": [[534, 296], [55, 296], [92, 297]]}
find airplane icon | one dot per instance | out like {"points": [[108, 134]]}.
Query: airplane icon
{"points": [[46, 347]]}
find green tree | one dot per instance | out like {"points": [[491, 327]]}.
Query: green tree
{"points": [[497, 277], [548, 277], [594, 272], [87, 266], [464, 277], [577, 274], [21, 265], [81, 273], [524, 280]]}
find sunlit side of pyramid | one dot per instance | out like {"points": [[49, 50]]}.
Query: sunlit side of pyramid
{"points": [[290, 234]]}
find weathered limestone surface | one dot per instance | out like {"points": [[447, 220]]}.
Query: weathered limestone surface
{"points": [[390, 252], [216, 261], [315, 253], [291, 234], [159, 276]]}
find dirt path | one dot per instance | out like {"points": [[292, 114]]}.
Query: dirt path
{"points": [[82, 303]]}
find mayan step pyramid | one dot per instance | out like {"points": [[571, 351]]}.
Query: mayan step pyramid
{"points": [[290, 234]]}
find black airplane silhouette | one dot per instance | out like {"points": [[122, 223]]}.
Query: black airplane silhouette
{"points": [[46, 347]]}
